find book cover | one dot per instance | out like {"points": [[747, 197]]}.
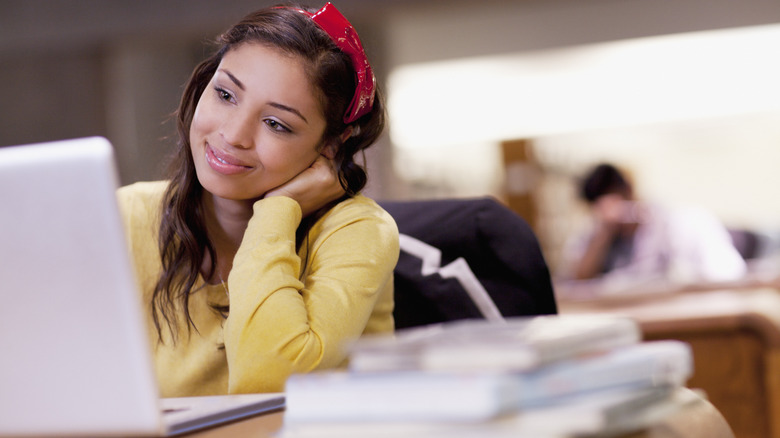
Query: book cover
{"points": [[643, 365], [608, 413], [404, 395], [480, 395], [517, 344]]}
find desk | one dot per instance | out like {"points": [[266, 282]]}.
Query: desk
{"points": [[735, 337], [624, 289], [699, 419]]}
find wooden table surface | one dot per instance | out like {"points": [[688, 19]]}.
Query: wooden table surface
{"points": [[699, 419]]}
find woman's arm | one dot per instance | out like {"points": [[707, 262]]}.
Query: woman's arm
{"points": [[279, 324]]}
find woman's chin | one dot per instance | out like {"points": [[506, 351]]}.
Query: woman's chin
{"points": [[231, 193]]}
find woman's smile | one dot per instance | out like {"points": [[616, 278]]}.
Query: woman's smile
{"points": [[224, 163]]}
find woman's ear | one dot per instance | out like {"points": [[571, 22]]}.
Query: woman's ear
{"points": [[347, 133], [329, 151]]}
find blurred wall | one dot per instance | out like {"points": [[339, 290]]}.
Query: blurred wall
{"points": [[73, 68]]}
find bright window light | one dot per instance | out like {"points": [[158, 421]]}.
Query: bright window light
{"points": [[648, 80]]}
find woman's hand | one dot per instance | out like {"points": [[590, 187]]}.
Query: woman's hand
{"points": [[313, 188]]}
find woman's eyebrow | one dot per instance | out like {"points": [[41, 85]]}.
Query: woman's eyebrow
{"points": [[288, 109], [235, 80], [278, 105]]}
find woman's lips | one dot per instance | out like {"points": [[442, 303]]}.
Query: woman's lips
{"points": [[223, 163]]}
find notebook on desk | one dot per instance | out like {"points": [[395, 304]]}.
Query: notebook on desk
{"points": [[75, 357]]}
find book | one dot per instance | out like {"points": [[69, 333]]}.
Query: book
{"points": [[611, 412], [643, 365], [605, 413], [544, 376], [399, 396], [517, 344], [477, 395]]}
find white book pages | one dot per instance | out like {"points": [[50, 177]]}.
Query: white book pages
{"points": [[518, 344]]}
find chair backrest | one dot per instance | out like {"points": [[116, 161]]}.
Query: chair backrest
{"points": [[466, 258]]}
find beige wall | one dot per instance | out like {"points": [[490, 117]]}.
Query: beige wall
{"points": [[73, 68]]}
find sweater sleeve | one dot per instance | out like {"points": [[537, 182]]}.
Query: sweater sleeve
{"points": [[281, 322]]}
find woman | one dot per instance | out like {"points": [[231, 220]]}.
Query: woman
{"points": [[259, 258]]}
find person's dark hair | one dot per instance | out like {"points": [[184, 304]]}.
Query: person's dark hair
{"points": [[183, 239], [602, 180]]}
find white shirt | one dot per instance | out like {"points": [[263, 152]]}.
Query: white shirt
{"points": [[681, 245]]}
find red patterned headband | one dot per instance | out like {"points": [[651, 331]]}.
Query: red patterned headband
{"points": [[346, 38]]}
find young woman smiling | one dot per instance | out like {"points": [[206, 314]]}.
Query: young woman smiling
{"points": [[259, 257]]}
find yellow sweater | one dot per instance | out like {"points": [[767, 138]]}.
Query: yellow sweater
{"points": [[280, 321]]}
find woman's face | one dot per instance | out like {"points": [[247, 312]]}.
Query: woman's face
{"points": [[257, 125]]}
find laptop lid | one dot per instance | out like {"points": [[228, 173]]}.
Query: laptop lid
{"points": [[75, 356]]}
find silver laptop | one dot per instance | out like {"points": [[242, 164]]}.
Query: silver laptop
{"points": [[74, 353]]}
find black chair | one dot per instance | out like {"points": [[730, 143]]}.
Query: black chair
{"points": [[496, 244]]}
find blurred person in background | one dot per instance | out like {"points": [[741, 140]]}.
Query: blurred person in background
{"points": [[634, 241]]}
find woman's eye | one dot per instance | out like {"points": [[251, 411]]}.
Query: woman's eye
{"points": [[276, 126], [224, 95]]}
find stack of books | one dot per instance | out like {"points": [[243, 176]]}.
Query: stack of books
{"points": [[546, 376]]}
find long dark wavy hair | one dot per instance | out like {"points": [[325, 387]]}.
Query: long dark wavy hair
{"points": [[183, 239]]}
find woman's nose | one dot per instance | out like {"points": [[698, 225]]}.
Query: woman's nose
{"points": [[238, 130]]}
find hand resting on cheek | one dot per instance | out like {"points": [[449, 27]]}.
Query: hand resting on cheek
{"points": [[313, 188]]}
